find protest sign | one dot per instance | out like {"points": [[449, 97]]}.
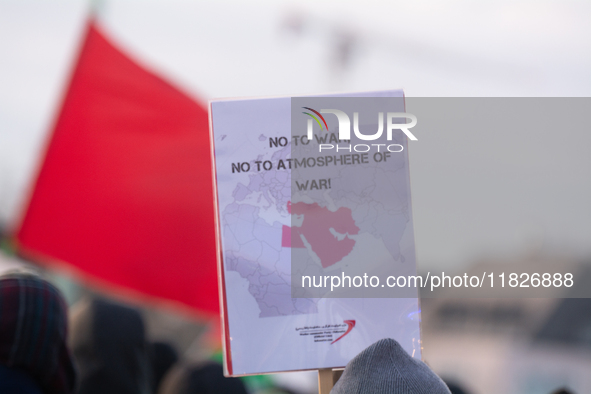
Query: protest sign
{"points": [[353, 220]]}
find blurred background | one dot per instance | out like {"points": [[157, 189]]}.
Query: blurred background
{"points": [[216, 49]]}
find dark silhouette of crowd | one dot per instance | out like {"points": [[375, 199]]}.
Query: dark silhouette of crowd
{"points": [[34, 355], [101, 348]]}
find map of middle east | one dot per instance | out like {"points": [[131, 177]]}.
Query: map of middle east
{"points": [[264, 229]]}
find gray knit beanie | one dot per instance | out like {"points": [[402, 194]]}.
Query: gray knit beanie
{"points": [[386, 368]]}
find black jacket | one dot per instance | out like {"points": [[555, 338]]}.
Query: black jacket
{"points": [[109, 346]]}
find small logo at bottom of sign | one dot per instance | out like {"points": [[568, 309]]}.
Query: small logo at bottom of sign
{"points": [[350, 324]]}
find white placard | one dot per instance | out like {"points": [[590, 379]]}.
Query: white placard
{"points": [[265, 329]]}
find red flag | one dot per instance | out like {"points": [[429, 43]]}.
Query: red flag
{"points": [[124, 194]]}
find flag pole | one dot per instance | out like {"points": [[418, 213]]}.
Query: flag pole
{"points": [[97, 7]]}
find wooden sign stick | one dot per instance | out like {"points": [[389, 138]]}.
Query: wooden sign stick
{"points": [[325, 381], [327, 378]]}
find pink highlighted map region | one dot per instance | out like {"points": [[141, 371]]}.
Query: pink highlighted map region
{"points": [[316, 228]]}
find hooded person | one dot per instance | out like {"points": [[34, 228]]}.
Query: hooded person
{"points": [[386, 368], [455, 387], [163, 356], [34, 357], [110, 349], [200, 379]]}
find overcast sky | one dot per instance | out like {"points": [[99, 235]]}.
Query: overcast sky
{"points": [[231, 49]]}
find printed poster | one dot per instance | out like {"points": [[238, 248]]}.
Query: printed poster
{"points": [[352, 219]]}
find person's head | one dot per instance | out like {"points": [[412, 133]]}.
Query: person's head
{"points": [[562, 390], [163, 356], [455, 387], [33, 333], [386, 368], [200, 379], [110, 349]]}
